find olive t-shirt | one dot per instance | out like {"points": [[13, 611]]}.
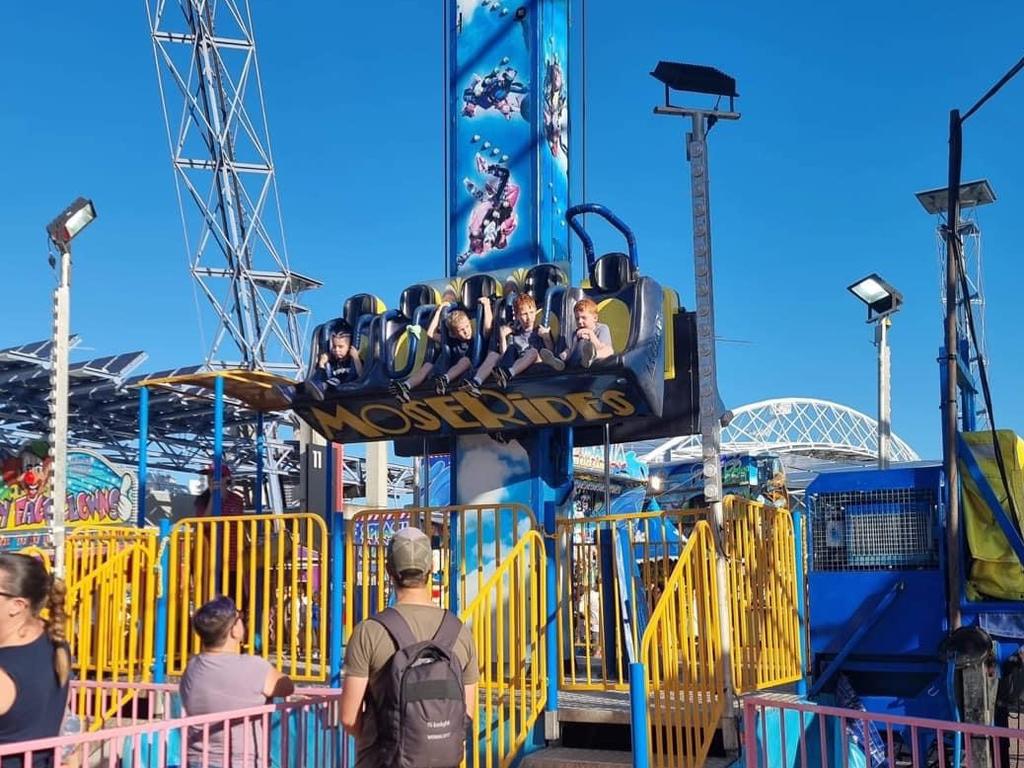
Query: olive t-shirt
{"points": [[371, 647]]}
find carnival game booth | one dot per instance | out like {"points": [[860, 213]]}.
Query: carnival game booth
{"points": [[643, 390]]}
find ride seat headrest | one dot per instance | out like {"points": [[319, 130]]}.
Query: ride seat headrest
{"points": [[542, 278], [611, 273], [361, 304], [414, 297], [477, 286]]}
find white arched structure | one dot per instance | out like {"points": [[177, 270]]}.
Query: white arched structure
{"points": [[794, 425]]}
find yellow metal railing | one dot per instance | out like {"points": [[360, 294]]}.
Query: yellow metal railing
{"points": [[87, 549], [507, 618], [273, 566], [764, 621], [682, 656], [589, 602], [486, 534], [110, 617]]}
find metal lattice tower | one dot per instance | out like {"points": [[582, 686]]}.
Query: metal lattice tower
{"points": [[972, 196], [793, 425], [217, 131]]}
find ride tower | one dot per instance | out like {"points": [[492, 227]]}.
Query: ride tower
{"points": [[508, 186], [224, 173]]}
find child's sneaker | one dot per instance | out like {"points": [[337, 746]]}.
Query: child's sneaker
{"points": [[502, 377], [472, 386], [400, 390], [442, 384], [551, 359]]}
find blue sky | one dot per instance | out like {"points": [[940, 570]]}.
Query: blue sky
{"points": [[844, 117]]}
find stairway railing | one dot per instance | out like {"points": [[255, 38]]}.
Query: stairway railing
{"points": [[507, 619], [682, 659]]}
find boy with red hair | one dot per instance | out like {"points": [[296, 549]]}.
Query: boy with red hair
{"points": [[519, 348]]}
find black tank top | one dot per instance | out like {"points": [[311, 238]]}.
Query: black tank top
{"points": [[39, 703]]}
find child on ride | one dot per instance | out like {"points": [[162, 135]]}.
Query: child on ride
{"points": [[519, 348], [340, 364], [592, 340], [453, 354]]}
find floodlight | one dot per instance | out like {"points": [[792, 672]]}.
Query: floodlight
{"points": [[695, 78], [972, 194], [71, 221], [880, 297]]}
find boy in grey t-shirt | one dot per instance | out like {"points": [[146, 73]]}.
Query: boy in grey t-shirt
{"points": [[220, 679]]}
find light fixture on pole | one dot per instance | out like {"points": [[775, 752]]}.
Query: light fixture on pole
{"points": [[694, 78], [882, 301], [62, 230]]}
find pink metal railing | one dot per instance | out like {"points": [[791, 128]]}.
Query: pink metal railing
{"points": [[779, 732], [149, 731]]}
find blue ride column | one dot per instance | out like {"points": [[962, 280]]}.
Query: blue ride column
{"points": [[508, 155]]}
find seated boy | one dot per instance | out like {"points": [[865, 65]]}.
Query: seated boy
{"points": [[592, 340], [339, 365], [453, 355], [519, 348]]}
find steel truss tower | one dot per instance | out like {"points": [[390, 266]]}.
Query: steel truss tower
{"points": [[219, 142], [972, 196]]}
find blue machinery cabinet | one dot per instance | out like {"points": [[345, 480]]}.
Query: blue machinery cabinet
{"points": [[876, 587]]}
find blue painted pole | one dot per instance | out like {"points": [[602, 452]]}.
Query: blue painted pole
{"points": [[218, 444], [260, 447], [160, 639], [638, 715], [337, 587], [455, 560], [554, 652], [143, 455], [801, 598]]}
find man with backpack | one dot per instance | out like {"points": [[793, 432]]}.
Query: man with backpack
{"points": [[411, 672]]}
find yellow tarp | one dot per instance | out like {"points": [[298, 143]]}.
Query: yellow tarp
{"points": [[995, 570]]}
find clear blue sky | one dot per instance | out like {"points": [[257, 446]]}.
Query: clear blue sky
{"points": [[844, 117]]}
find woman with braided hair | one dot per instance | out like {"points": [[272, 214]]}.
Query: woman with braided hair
{"points": [[35, 661]]}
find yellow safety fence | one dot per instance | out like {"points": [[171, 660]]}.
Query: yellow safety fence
{"points": [[110, 614], [589, 604], [486, 534], [86, 549], [275, 568], [682, 656], [507, 618], [762, 584]]}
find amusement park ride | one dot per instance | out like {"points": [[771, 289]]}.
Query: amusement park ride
{"points": [[701, 603]]}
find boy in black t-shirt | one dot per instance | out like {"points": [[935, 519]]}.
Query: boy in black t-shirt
{"points": [[453, 356], [339, 365]]}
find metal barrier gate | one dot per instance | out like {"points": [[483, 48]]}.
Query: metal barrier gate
{"points": [[612, 570], [486, 534], [273, 566], [762, 590]]}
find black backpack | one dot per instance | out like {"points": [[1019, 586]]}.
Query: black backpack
{"points": [[419, 698]]}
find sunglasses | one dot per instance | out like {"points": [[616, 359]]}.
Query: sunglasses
{"points": [[12, 596]]}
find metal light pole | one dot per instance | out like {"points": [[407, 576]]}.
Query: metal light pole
{"points": [[62, 231], [699, 79], [884, 395], [883, 301]]}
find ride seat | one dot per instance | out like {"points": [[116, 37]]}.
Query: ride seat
{"points": [[541, 279], [403, 336], [359, 311]]}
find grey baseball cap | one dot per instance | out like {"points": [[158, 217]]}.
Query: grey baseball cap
{"points": [[409, 550]]}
